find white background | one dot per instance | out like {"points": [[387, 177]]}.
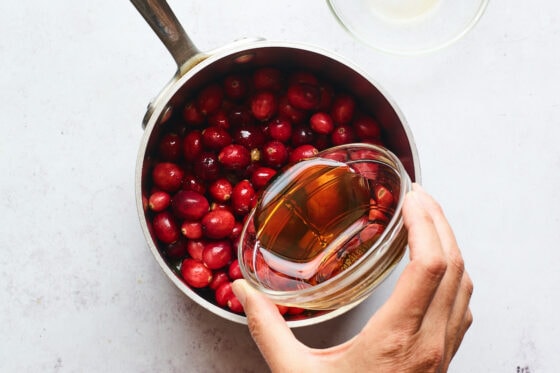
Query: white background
{"points": [[79, 289]]}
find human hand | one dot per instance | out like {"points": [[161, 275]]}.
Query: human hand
{"points": [[418, 329]]}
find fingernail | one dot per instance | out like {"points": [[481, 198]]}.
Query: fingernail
{"points": [[239, 288]]}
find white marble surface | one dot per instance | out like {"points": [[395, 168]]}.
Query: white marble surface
{"points": [[80, 291]]}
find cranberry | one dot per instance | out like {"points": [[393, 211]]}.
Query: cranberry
{"points": [[215, 138], [177, 249], [223, 294], [234, 157], [241, 117], [302, 135], [377, 215], [207, 166], [371, 232], [167, 176], [235, 305], [321, 123], [261, 176], [218, 278], [218, 224], [327, 94], [236, 231], [191, 229], [192, 145], [159, 201], [280, 129], [220, 190], [192, 115], [288, 111], [169, 147], [236, 87], [342, 109], [303, 77], [366, 127], [195, 249], [234, 270], [304, 96], [242, 197], [274, 154], [217, 254], [190, 182], [165, 228], [295, 310], [189, 205], [303, 152], [282, 309], [250, 137], [219, 119], [221, 206], [210, 99], [383, 196], [342, 135], [268, 78], [195, 273], [263, 105]]}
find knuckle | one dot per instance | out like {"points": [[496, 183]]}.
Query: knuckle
{"points": [[435, 267], [468, 285], [457, 262]]}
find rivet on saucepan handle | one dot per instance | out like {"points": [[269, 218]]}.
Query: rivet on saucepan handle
{"points": [[162, 20]]}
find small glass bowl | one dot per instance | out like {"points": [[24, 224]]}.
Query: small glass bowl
{"points": [[378, 257], [408, 27]]}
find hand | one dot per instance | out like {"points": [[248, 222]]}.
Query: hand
{"points": [[418, 329]]}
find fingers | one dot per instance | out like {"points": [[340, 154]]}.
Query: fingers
{"points": [[421, 278], [268, 328]]}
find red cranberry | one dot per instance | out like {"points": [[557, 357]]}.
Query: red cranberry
{"points": [[235, 305], [250, 137], [221, 206], [366, 127], [210, 99], [190, 182], [241, 117], [218, 278], [217, 254], [377, 215], [280, 129], [235, 157], [234, 271], [236, 231], [167, 176], [302, 135], [303, 77], [242, 197], [342, 135], [192, 145], [195, 249], [236, 87], [282, 309], [268, 78], [261, 176], [223, 293], [327, 94], [195, 273], [263, 105], [218, 224], [371, 232], [274, 154], [219, 119], [191, 229], [304, 96], [342, 109], [290, 112], [383, 196], [220, 190], [165, 228], [321, 123], [207, 166], [169, 147], [295, 310], [215, 138], [192, 115], [159, 201], [303, 152], [189, 205], [177, 249]]}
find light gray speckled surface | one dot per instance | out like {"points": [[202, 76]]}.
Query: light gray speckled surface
{"points": [[80, 292]]}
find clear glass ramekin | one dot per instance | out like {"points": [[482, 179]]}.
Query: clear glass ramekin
{"points": [[378, 258]]}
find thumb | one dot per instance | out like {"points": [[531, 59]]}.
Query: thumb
{"points": [[268, 328]]}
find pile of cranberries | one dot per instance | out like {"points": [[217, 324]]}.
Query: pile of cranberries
{"points": [[215, 154]]}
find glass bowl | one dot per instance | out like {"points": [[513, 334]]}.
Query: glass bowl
{"points": [[327, 230], [408, 27]]}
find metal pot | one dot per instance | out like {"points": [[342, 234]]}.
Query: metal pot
{"points": [[195, 69]]}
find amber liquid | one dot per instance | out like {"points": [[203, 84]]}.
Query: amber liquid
{"points": [[316, 220]]}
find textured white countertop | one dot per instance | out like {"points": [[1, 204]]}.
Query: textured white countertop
{"points": [[80, 291]]}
